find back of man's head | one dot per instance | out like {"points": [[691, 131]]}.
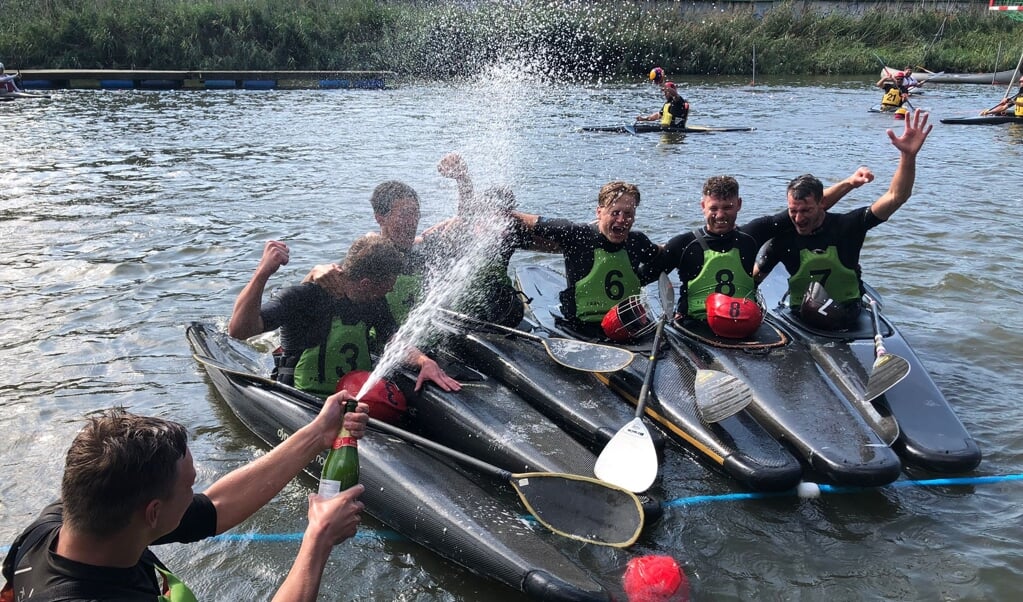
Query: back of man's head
{"points": [[386, 194], [116, 464], [806, 188], [372, 256]]}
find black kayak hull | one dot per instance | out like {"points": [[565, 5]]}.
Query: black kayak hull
{"points": [[413, 492], [931, 436], [739, 446], [647, 128], [983, 120], [572, 399], [799, 406]]}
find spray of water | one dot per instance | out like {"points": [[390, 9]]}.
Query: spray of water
{"points": [[468, 249]]}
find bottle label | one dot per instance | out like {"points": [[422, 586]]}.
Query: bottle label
{"points": [[329, 488], [340, 442]]}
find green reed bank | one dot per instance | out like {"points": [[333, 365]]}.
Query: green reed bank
{"points": [[568, 39]]}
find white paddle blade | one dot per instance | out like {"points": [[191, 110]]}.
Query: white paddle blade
{"points": [[888, 371], [720, 395], [629, 459]]}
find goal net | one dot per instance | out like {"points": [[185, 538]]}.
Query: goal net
{"points": [[1012, 8]]}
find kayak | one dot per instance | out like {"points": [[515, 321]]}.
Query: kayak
{"points": [[571, 398], [19, 94], [931, 436], [645, 128], [983, 120], [421, 496], [997, 77], [797, 403], [739, 446]]}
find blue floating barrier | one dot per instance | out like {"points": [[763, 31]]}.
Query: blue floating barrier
{"points": [[369, 84], [38, 84], [334, 84], [116, 84]]}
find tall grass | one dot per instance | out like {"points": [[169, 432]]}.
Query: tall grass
{"points": [[566, 38]]}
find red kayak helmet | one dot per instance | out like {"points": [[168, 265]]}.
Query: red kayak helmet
{"points": [[627, 321], [385, 400], [733, 317]]}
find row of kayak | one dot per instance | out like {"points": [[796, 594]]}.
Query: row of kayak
{"points": [[521, 410]]}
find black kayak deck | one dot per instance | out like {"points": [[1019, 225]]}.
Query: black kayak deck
{"points": [[739, 446], [931, 435], [424, 498], [648, 128], [983, 120]]}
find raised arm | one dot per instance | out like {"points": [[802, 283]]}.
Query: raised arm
{"points": [[453, 166], [238, 494], [246, 320], [835, 192], [909, 144]]}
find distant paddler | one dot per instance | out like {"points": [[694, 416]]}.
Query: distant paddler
{"points": [[7, 82], [1014, 102], [675, 111]]}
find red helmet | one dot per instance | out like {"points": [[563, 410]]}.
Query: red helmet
{"points": [[900, 74], [385, 400], [733, 317], [628, 320]]}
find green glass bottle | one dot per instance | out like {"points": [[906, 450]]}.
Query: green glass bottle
{"points": [[341, 470]]}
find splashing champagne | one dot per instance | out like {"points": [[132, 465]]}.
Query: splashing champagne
{"points": [[481, 243]]}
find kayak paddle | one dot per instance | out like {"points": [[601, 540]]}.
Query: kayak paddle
{"points": [[573, 506], [888, 369], [629, 459], [577, 355], [719, 395]]}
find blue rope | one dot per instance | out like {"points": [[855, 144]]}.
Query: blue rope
{"points": [[679, 502]]}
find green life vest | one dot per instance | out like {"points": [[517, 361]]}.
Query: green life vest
{"points": [[840, 282], [721, 273], [176, 590], [610, 281], [404, 295], [346, 349]]}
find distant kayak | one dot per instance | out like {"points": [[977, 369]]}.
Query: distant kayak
{"points": [[997, 77], [17, 95], [983, 120], [646, 128]]}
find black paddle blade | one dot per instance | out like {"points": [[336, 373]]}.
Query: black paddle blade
{"points": [[581, 508], [588, 357]]}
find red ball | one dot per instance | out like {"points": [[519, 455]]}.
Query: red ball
{"points": [[385, 400], [655, 579]]}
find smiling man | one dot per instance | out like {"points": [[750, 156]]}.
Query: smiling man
{"points": [[719, 257], [602, 259], [824, 247]]}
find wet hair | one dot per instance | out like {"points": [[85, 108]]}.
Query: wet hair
{"points": [[806, 187], [721, 187], [612, 191], [117, 463], [372, 256], [385, 195]]}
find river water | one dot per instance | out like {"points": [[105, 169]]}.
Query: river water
{"points": [[126, 214]]}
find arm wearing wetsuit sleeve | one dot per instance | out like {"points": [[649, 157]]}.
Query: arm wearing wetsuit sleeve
{"points": [[835, 192]]}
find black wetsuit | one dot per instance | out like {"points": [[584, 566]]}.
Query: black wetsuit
{"points": [[43, 575]]}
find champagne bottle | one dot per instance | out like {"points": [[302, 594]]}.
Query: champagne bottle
{"points": [[341, 470]]}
